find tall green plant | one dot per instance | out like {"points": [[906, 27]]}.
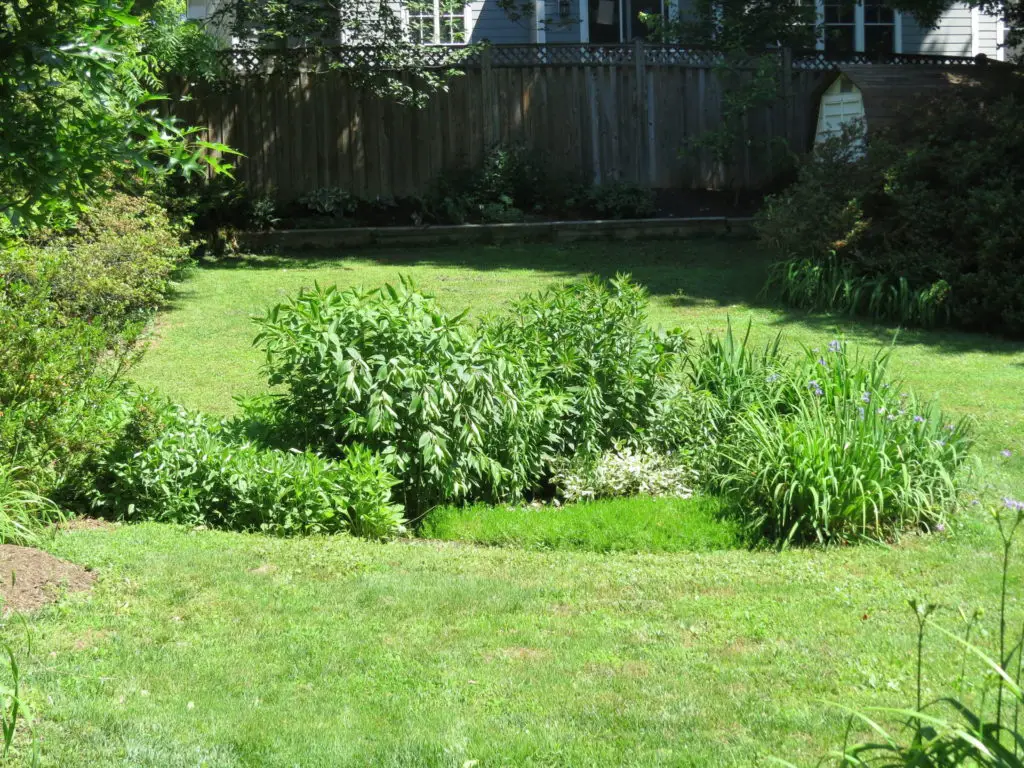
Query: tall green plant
{"points": [[590, 346], [455, 414], [842, 453]]}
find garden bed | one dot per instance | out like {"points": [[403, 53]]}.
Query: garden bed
{"points": [[460, 234]]}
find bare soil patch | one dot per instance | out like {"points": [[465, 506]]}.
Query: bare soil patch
{"points": [[31, 578]]}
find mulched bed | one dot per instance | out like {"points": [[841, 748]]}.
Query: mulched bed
{"points": [[38, 578]]}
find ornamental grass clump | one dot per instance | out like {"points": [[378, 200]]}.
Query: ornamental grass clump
{"points": [[842, 452]]}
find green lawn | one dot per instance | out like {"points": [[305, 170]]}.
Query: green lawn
{"points": [[202, 648], [202, 354], [610, 525]]}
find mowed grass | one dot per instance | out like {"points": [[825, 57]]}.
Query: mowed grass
{"points": [[202, 352], [202, 648], [636, 524], [227, 650]]}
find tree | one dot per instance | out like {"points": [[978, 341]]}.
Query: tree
{"points": [[76, 109], [310, 33]]}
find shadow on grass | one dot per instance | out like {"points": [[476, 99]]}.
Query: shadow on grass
{"points": [[711, 271], [691, 271]]}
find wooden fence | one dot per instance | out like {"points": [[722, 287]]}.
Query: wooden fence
{"points": [[628, 117]]}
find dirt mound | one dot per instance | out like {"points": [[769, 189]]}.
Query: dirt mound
{"points": [[31, 578]]}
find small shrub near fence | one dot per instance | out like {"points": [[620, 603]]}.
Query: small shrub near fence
{"points": [[923, 227]]}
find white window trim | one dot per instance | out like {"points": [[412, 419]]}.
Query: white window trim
{"points": [[975, 31], [819, 25], [859, 28], [467, 20]]}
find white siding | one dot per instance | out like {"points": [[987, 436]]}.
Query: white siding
{"points": [[988, 39], [559, 31], [952, 36], [489, 22]]}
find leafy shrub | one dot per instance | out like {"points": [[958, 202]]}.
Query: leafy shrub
{"points": [[822, 448], [590, 345], [924, 227], [619, 200], [330, 201], [455, 414], [69, 312], [115, 268], [625, 471], [194, 473], [57, 375], [511, 182]]}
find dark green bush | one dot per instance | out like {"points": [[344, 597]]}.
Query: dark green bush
{"points": [[618, 200], [70, 308], [193, 472], [925, 227], [511, 182]]}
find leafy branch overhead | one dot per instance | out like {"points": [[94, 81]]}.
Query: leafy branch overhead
{"points": [[78, 109]]}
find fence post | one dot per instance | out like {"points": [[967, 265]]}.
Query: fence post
{"points": [[492, 130], [787, 93], [640, 67]]}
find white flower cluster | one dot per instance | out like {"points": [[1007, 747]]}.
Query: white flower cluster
{"points": [[625, 471]]}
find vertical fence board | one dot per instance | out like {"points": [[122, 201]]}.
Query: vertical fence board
{"points": [[634, 121]]}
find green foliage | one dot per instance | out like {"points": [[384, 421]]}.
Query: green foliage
{"points": [[624, 471], [70, 311], [116, 266], [73, 87], [194, 472], [454, 413], [56, 373], [829, 449], [23, 512], [638, 524], [619, 200], [392, 64], [922, 227], [330, 201], [590, 346], [511, 182], [819, 449], [177, 45], [744, 26]]}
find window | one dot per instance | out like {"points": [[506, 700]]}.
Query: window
{"points": [[869, 26], [436, 21], [879, 27], [840, 27]]}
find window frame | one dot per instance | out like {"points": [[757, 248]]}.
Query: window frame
{"points": [[860, 28], [437, 17]]}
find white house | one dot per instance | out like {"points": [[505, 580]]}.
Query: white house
{"points": [[865, 27]]}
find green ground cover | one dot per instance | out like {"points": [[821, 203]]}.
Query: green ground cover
{"points": [[224, 649]]}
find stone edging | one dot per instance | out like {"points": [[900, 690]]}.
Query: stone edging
{"points": [[544, 231]]}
